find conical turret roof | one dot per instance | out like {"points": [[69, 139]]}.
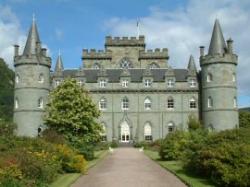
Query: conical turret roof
{"points": [[217, 43], [59, 63], [191, 64], [32, 40]]}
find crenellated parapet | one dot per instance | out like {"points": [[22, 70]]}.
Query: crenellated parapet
{"points": [[125, 41], [96, 54], [154, 54]]}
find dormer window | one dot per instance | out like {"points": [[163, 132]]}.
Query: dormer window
{"points": [[125, 83], [192, 83], [80, 82], [147, 83], [103, 83], [170, 83], [41, 78]]}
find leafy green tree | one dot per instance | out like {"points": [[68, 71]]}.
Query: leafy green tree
{"points": [[6, 91], [193, 122], [244, 118], [72, 113]]}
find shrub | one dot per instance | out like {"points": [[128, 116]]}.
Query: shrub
{"points": [[114, 143], [52, 136], [173, 145], [6, 128], [102, 146]]}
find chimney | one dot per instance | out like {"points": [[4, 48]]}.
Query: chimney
{"points": [[230, 46], [44, 52], [202, 48], [16, 50]]}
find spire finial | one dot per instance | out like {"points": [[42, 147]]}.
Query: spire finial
{"points": [[33, 17]]}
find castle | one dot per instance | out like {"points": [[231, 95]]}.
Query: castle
{"points": [[141, 97]]}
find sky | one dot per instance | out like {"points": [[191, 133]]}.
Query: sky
{"points": [[180, 25]]}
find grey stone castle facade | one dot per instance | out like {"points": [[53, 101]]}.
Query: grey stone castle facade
{"points": [[140, 95]]}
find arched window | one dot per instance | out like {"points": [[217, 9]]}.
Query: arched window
{"points": [[40, 102], [234, 77], [153, 66], [192, 103], [148, 132], [170, 127], [41, 78], [209, 102], [147, 104], [103, 104], [17, 78], [16, 103], [125, 64], [96, 66], [125, 103], [235, 102], [209, 77], [170, 104], [103, 133]]}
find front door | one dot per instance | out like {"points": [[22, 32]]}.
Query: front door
{"points": [[125, 132]]}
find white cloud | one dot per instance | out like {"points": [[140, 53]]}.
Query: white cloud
{"points": [[183, 30], [10, 34], [59, 34]]}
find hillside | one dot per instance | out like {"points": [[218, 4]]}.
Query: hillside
{"points": [[6, 91], [247, 109]]}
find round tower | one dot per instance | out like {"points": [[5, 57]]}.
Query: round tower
{"points": [[32, 85], [218, 83]]}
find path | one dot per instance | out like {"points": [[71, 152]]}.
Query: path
{"points": [[127, 167]]}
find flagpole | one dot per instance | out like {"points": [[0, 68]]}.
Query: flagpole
{"points": [[138, 27]]}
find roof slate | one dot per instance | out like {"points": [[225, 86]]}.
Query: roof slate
{"points": [[136, 75]]}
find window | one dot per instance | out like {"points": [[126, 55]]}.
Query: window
{"points": [[103, 133], [40, 103], [192, 103], [209, 102], [125, 83], [96, 66], [17, 78], [57, 82], [235, 102], [209, 77], [170, 83], [147, 104], [234, 77], [41, 78], [125, 64], [16, 103], [103, 104], [170, 104], [170, 127], [192, 83], [148, 132], [153, 66], [147, 83], [125, 103], [80, 82], [103, 83]]}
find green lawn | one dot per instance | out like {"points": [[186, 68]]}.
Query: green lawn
{"points": [[176, 168], [65, 180]]}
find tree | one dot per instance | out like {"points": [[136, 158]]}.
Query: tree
{"points": [[6, 91], [193, 122], [72, 113], [244, 118]]}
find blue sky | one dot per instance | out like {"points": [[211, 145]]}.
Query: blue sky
{"points": [[180, 25]]}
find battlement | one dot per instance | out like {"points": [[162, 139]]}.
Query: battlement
{"points": [[154, 54], [96, 54], [125, 41]]}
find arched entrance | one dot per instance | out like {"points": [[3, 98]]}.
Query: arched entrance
{"points": [[125, 132]]}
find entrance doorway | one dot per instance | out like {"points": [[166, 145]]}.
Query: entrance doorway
{"points": [[125, 132]]}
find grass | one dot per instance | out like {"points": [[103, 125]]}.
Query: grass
{"points": [[175, 167], [65, 180]]}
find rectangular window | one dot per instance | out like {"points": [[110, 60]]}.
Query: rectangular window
{"points": [[148, 137], [103, 83], [192, 83], [124, 83], [170, 83], [147, 83]]}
